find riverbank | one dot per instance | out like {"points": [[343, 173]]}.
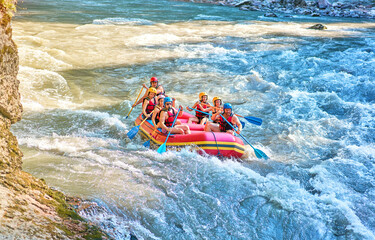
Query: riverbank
{"points": [[274, 8]]}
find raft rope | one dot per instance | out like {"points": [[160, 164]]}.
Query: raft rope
{"points": [[218, 151]]}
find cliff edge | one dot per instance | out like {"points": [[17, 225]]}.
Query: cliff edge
{"points": [[29, 209]]}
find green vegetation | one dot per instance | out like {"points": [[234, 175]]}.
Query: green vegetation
{"points": [[9, 5]]}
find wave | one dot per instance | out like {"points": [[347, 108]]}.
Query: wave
{"points": [[122, 21]]}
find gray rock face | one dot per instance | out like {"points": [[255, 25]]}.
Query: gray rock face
{"points": [[10, 104], [323, 4], [315, 8]]}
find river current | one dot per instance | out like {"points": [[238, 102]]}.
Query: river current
{"points": [[82, 64]]}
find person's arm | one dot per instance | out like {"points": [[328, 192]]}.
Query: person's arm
{"points": [[140, 100], [216, 115], [160, 89], [206, 109], [181, 111], [194, 106], [237, 122], [156, 111], [162, 119], [144, 106]]}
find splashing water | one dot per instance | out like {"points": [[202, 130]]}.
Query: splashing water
{"points": [[82, 65]]}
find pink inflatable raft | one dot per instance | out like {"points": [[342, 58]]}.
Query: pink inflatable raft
{"points": [[213, 143]]}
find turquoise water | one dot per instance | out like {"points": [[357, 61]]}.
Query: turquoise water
{"points": [[82, 65]]}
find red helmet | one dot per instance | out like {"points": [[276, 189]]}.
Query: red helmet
{"points": [[153, 79]]}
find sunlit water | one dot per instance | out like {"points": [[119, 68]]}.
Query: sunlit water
{"points": [[82, 64]]}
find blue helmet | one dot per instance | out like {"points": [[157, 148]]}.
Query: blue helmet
{"points": [[228, 105], [167, 99]]}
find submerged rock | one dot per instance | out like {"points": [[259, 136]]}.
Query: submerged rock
{"points": [[270, 15], [318, 26]]}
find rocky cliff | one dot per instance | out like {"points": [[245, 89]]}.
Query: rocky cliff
{"points": [[314, 8], [29, 209]]}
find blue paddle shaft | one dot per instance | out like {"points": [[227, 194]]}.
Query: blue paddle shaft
{"points": [[209, 114], [162, 148], [258, 152], [173, 124]]}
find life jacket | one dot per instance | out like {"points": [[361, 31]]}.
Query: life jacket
{"points": [[161, 93], [224, 126], [171, 115], [199, 114], [151, 105]]}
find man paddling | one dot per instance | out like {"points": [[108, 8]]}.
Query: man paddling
{"points": [[222, 125], [154, 82], [167, 116]]}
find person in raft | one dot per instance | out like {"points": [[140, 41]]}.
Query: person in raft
{"points": [[158, 108], [149, 103], [201, 105], [218, 106], [167, 116], [223, 126], [155, 84]]}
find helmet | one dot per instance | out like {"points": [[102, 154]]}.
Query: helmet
{"points": [[227, 105], [202, 94], [152, 90], [153, 79], [167, 99], [161, 97], [216, 98]]}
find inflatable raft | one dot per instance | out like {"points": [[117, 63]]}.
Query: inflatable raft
{"points": [[213, 143]]}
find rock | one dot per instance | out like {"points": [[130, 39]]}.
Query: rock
{"points": [[300, 3], [244, 3], [253, 8], [270, 15], [306, 12], [318, 26], [315, 14], [293, 3], [322, 4]]}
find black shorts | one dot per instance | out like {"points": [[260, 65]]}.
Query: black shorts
{"points": [[200, 118]]}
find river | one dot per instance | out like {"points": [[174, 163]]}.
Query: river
{"points": [[82, 64]]}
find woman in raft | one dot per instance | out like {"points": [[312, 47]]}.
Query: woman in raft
{"points": [[154, 82], [167, 116], [218, 106], [201, 105], [223, 125], [158, 108], [149, 103]]}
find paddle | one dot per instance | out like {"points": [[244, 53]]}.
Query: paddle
{"points": [[139, 94], [131, 134], [147, 143], [258, 152], [163, 147], [253, 120]]}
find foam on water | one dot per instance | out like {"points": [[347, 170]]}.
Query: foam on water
{"points": [[313, 90], [122, 21]]}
